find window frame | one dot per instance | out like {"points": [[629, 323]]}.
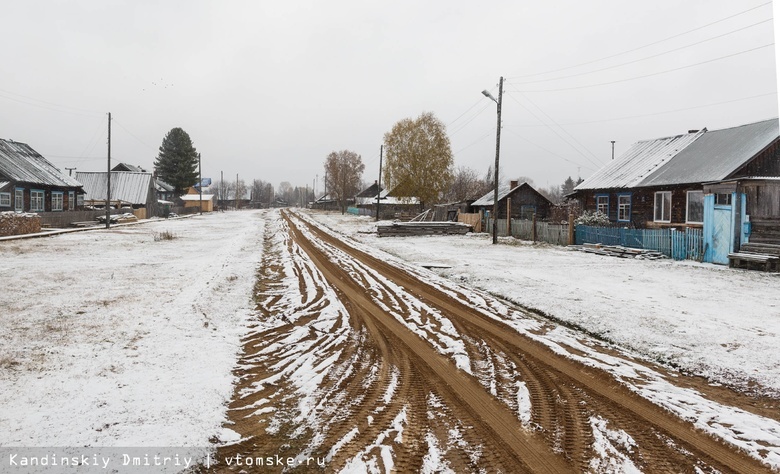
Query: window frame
{"points": [[621, 207], [71, 200], [35, 200], [5, 200], [598, 204], [688, 207], [19, 199], [57, 201], [664, 211]]}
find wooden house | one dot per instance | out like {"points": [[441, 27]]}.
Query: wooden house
{"points": [[391, 206], [521, 200], [660, 182], [30, 183]]}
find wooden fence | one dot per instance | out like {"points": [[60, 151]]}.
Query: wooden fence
{"points": [[556, 234], [677, 244]]}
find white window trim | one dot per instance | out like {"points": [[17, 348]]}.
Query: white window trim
{"points": [[627, 206], [604, 196], [688, 207], [19, 194], [5, 199], [33, 200], [60, 202], [663, 208], [71, 200]]}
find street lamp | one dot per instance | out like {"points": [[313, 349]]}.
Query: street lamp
{"points": [[498, 148]]}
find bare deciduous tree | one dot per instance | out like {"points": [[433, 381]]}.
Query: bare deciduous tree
{"points": [[467, 184]]}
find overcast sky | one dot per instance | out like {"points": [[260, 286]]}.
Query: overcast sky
{"points": [[267, 89]]}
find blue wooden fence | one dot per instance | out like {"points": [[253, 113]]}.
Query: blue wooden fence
{"points": [[677, 244]]}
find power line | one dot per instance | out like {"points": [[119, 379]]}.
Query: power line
{"points": [[558, 134], [628, 117], [133, 135], [48, 105], [644, 58], [646, 45], [491, 132], [651, 74], [550, 152]]}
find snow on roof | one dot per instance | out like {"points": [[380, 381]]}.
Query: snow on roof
{"points": [[126, 186], [196, 197], [640, 161], [19, 162], [716, 154], [698, 157], [504, 190]]}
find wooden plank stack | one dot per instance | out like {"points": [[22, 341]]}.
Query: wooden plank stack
{"points": [[619, 251], [756, 256], [403, 229]]}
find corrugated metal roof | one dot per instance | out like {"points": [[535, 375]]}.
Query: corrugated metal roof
{"points": [[715, 155], [196, 197], [504, 190], [487, 199], [19, 162], [126, 186], [640, 161]]}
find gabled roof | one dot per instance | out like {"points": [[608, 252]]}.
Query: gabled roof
{"points": [[698, 157], [128, 167], [196, 197], [20, 163], [716, 154], [126, 186], [162, 186], [504, 190], [370, 192], [639, 162]]}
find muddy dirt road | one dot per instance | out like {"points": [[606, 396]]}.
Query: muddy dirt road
{"points": [[359, 365]]}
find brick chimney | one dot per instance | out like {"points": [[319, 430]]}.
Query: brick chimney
{"points": [[513, 184]]}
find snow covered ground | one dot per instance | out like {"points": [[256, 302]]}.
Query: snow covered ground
{"points": [[124, 338], [706, 319]]}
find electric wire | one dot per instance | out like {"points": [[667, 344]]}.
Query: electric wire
{"points": [[644, 58], [651, 74], [646, 45]]}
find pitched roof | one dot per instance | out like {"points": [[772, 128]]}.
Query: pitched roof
{"points": [[698, 157], [126, 186], [128, 167], [370, 192], [638, 162], [19, 162], [716, 154], [504, 190]]}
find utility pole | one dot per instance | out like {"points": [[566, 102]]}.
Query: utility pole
{"points": [[108, 180], [70, 171], [498, 151], [221, 187], [325, 197], [236, 191], [200, 185], [379, 181], [613, 149]]}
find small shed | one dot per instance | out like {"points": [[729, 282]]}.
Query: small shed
{"points": [[128, 189], [521, 200]]}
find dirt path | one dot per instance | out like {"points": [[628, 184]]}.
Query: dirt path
{"points": [[368, 367]]}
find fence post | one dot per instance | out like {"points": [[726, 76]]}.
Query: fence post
{"points": [[571, 228], [534, 224]]}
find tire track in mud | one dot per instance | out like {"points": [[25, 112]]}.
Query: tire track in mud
{"points": [[571, 395]]}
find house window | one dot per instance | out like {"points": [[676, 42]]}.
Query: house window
{"points": [[56, 200], [71, 200], [19, 199], [602, 203], [624, 208], [663, 206], [694, 207], [5, 199], [723, 199], [80, 200], [36, 200]]}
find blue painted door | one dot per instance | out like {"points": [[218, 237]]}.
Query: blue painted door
{"points": [[721, 234]]}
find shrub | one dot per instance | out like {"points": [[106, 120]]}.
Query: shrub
{"points": [[597, 218]]}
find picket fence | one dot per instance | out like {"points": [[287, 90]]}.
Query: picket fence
{"points": [[686, 244]]}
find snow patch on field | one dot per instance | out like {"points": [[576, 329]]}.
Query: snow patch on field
{"points": [[112, 338]]}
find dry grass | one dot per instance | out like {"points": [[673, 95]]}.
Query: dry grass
{"points": [[164, 235]]}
